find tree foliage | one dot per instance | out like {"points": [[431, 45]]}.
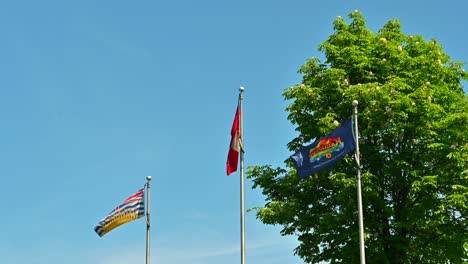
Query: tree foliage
{"points": [[413, 126]]}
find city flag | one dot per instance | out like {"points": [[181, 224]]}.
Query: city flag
{"points": [[326, 151], [236, 144], [132, 208]]}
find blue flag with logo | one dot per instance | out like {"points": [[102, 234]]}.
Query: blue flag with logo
{"points": [[325, 151]]}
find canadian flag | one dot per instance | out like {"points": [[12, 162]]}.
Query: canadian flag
{"points": [[236, 143]]}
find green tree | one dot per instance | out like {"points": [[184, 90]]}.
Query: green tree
{"points": [[413, 125]]}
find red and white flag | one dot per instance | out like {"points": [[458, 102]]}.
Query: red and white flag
{"points": [[236, 144]]}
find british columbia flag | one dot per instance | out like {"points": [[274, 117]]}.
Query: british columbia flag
{"points": [[132, 208]]}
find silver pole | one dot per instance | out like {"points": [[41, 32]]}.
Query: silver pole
{"points": [[242, 204], [359, 195], [148, 178]]}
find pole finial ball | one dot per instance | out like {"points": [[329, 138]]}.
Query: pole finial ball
{"points": [[355, 102], [148, 178], [241, 89]]}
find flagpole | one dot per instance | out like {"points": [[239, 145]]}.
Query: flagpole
{"points": [[242, 203], [148, 178], [359, 195]]}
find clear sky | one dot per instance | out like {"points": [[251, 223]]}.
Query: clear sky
{"points": [[95, 95]]}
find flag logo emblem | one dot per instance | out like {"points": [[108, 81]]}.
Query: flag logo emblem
{"points": [[326, 148]]}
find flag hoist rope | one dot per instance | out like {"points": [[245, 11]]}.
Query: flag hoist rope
{"points": [[358, 184]]}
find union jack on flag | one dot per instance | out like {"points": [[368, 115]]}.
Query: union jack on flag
{"points": [[132, 208]]}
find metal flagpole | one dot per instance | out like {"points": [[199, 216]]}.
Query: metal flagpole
{"points": [[359, 195], [242, 204], [148, 178]]}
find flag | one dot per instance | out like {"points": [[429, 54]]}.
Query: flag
{"points": [[325, 151], [132, 208], [235, 146]]}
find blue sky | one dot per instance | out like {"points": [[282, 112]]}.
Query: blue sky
{"points": [[96, 95]]}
